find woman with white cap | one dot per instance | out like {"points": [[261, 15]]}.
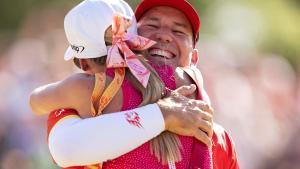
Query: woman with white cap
{"points": [[89, 33]]}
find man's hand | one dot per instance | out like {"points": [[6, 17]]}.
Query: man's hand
{"points": [[187, 117]]}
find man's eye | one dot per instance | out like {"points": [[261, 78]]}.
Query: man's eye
{"points": [[178, 32], [152, 26]]}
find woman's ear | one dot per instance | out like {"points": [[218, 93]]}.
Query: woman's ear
{"points": [[108, 36], [84, 65], [195, 57]]}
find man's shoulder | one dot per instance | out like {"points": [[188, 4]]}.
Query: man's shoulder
{"points": [[221, 137], [218, 129], [224, 147]]}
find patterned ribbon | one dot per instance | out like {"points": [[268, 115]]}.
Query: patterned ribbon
{"points": [[123, 42]]}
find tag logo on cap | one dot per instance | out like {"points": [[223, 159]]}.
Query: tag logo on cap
{"points": [[78, 49]]}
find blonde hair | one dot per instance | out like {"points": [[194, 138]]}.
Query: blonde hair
{"points": [[165, 146]]}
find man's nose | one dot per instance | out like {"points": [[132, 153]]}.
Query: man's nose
{"points": [[164, 35]]}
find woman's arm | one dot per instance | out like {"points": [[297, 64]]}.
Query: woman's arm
{"points": [[61, 94], [77, 142]]}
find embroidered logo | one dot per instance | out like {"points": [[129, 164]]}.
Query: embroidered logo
{"points": [[133, 118], [58, 112], [78, 49]]}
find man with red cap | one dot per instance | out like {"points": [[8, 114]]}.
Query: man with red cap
{"points": [[174, 25]]}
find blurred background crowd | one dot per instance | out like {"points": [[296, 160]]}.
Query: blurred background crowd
{"points": [[249, 57]]}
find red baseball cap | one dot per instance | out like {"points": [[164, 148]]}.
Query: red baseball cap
{"points": [[182, 5]]}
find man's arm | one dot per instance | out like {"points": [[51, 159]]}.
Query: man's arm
{"points": [[71, 136]]}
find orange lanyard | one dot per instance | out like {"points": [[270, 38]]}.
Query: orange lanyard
{"points": [[101, 97]]}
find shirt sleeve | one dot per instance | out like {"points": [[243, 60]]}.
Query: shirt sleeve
{"points": [[55, 116], [74, 141]]}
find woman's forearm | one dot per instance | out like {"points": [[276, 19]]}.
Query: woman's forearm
{"points": [[78, 142]]}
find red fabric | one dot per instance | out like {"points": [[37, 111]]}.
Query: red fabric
{"points": [[223, 150], [201, 156], [56, 115]]}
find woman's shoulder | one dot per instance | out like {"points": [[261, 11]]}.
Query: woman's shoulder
{"points": [[76, 77], [78, 84], [79, 80]]}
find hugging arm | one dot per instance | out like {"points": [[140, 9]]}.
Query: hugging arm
{"points": [[74, 141], [60, 94]]}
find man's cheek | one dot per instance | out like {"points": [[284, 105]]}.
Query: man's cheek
{"points": [[146, 35], [184, 61], [145, 30]]}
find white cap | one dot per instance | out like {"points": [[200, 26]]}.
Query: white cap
{"points": [[86, 23]]}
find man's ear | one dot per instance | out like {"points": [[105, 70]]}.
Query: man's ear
{"points": [[195, 57]]}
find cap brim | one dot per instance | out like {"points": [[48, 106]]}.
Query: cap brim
{"points": [[181, 5], [69, 54]]}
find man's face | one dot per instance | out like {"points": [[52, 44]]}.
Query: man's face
{"points": [[173, 33]]}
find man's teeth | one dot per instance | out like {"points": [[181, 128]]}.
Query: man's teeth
{"points": [[161, 53]]}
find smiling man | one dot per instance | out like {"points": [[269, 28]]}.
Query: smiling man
{"points": [[174, 25], [173, 33]]}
